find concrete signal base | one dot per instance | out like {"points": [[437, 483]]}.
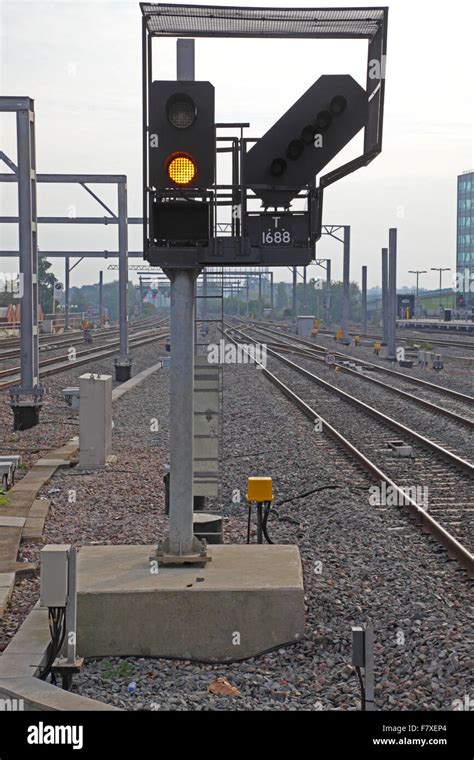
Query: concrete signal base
{"points": [[247, 600]]}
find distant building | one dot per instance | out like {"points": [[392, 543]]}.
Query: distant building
{"points": [[429, 301], [465, 237]]}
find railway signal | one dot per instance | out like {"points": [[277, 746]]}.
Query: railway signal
{"points": [[182, 151], [303, 141], [182, 196], [182, 135]]}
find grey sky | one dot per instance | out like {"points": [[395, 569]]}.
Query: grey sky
{"points": [[80, 61]]}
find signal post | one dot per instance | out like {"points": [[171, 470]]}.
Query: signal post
{"points": [[249, 598]]}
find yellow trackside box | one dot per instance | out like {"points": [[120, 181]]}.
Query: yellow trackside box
{"points": [[259, 489]]}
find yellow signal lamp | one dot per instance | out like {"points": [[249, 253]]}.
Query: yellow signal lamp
{"points": [[182, 169]]}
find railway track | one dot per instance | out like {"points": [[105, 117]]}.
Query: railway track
{"points": [[430, 396], [440, 497], [72, 338], [432, 400], [60, 364], [402, 336]]}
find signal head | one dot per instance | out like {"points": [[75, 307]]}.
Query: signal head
{"points": [[323, 120], [294, 149], [307, 134], [278, 167], [181, 169], [338, 105], [181, 110]]}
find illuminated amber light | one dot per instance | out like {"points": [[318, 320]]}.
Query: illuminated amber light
{"points": [[182, 170]]}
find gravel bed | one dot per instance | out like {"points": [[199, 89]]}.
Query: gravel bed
{"points": [[376, 566], [435, 396], [442, 489], [100, 340], [448, 433], [57, 425], [57, 422], [456, 376]]}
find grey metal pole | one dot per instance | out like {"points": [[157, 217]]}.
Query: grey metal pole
{"points": [[181, 412], [34, 243], [364, 300], [260, 294], [385, 295], [181, 540], [440, 270], [369, 669], [123, 269], [304, 290], [66, 294], [28, 253], [204, 310], [328, 291], [271, 292], [185, 59], [195, 343], [417, 272], [247, 296], [392, 287], [101, 286], [345, 285], [141, 295], [71, 608], [123, 364], [295, 274]]}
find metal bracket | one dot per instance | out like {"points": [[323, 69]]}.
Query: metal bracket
{"points": [[33, 396], [199, 555]]}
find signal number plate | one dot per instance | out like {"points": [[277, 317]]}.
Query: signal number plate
{"points": [[276, 230]]}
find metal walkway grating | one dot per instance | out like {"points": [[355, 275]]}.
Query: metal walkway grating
{"points": [[217, 21]]}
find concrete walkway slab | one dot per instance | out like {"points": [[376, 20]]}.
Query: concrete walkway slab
{"points": [[9, 521], [40, 508], [6, 590], [20, 666], [53, 463], [17, 666], [6, 579], [133, 382], [33, 636]]}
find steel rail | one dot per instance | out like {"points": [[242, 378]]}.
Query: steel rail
{"points": [[454, 548], [427, 442], [435, 408], [46, 362], [377, 367], [92, 354]]}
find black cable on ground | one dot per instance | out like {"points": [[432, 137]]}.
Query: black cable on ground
{"points": [[265, 521], [57, 628], [362, 687], [66, 681]]}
